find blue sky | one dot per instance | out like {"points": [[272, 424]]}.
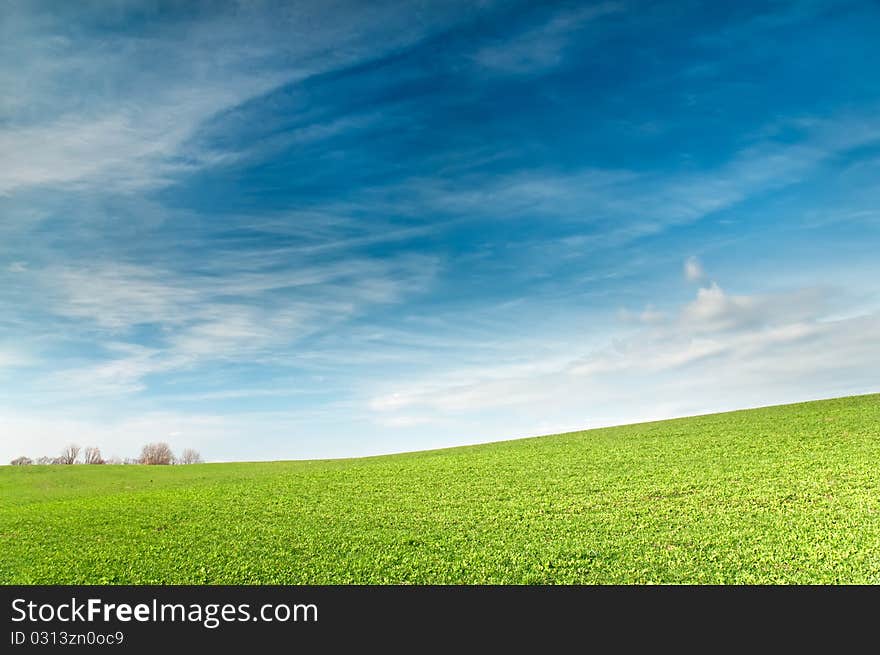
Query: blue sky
{"points": [[288, 230]]}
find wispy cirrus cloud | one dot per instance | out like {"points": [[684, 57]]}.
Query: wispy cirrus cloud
{"points": [[141, 97], [627, 204], [251, 316], [541, 48], [122, 295]]}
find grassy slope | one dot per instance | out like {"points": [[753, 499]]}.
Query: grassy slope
{"points": [[780, 494]]}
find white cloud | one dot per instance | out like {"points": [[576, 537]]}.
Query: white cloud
{"points": [[120, 374], [120, 295], [648, 315], [626, 205], [542, 47], [241, 316], [132, 147], [713, 310], [117, 296], [719, 352], [10, 358], [693, 269], [120, 110], [716, 310]]}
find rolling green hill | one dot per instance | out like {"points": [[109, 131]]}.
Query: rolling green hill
{"points": [[787, 494]]}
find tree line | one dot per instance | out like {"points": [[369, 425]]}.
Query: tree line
{"points": [[159, 453]]}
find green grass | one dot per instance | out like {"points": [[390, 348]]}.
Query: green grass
{"points": [[787, 494]]}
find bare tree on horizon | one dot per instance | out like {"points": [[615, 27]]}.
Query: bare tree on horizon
{"points": [[92, 455], [69, 454], [157, 453], [190, 456]]}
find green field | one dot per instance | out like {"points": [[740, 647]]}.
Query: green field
{"points": [[787, 494]]}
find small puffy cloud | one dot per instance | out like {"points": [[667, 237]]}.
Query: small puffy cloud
{"points": [[714, 310], [17, 267], [693, 269], [718, 310]]}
